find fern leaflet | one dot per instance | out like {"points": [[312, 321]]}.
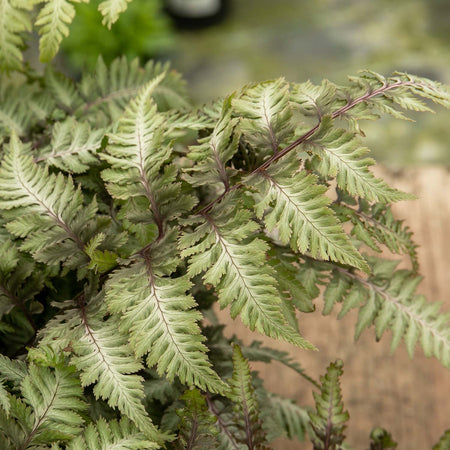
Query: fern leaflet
{"points": [[300, 214], [222, 245], [160, 317], [111, 435]]}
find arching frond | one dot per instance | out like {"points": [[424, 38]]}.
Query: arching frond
{"points": [[138, 147], [299, 211], [50, 406], [222, 245], [375, 224], [101, 355], [51, 210], [160, 316], [387, 299], [340, 155]]}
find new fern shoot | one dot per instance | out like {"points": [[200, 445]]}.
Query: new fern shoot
{"points": [[126, 214]]}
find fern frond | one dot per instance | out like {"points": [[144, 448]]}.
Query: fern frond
{"points": [[292, 420], [55, 398], [299, 211], [387, 299], [14, 21], [375, 224], [63, 90], [72, 147], [12, 370], [115, 434], [111, 10], [222, 245], [314, 100], [20, 281], [197, 428], [245, 405], [340, 155], [444, 442], [53, 21], [110, 89], [160, 318], [328, 421], [256, 352], [266, 115], [16, 100], [286, 273], [52, 211], [214, 151], [138, 147], [101, 355]]}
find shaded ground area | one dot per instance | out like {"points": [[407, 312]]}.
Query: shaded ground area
{"points": [[407, 397]]}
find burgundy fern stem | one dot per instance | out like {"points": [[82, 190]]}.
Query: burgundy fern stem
{"points": [[339, 112]]}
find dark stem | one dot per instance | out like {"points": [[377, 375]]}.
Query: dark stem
{"points": [[220, 422], [279, 154]]}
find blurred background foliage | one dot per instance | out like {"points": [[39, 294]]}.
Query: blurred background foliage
{"points": [[297, 39]]}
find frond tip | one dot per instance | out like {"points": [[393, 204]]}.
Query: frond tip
{"points": [[328, 422]]}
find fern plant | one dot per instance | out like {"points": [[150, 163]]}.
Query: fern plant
{"points": [[127, 214]]}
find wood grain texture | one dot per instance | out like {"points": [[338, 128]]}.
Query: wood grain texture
{"points": [[410, 398]]}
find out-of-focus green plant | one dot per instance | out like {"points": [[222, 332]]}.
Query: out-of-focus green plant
{"points": [[143, 31]]}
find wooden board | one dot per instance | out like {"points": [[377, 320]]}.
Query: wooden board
{"points": [[410, 398]]}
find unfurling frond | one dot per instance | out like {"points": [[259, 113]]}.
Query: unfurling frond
{"points": [[197, 428], [160, 316], [222, 244], [266, 115], [114, 434], [328, 421], [387, 299], [51, 210], [299, 211]]}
